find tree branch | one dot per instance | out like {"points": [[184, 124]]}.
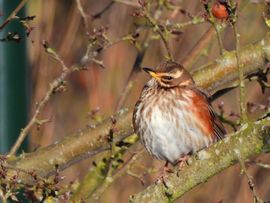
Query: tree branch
{"points": [[256, 198], [242, 92], [101, 174], [224, 69], [92, 141], [249, 141], [51, 91], [13, 13]]}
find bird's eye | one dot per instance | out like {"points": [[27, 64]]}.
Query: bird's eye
{"points": [[167, 77]]}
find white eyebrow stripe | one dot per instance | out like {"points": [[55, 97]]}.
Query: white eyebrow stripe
{"points": [[178, 74]]}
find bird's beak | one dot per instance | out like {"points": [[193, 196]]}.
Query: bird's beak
{"points": [[151, 72]]}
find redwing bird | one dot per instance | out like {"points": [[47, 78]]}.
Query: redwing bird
{"points": [[173, 117]]}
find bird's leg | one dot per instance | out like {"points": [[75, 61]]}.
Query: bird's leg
{"points": [[165, 169], [181, 162]]}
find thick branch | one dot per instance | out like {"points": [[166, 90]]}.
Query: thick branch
{"points": [[72, 149], [91, 141], [250, 140], [224, 69]]}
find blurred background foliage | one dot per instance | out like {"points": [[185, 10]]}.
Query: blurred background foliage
{"points": [[14, 81], [98, 89]]}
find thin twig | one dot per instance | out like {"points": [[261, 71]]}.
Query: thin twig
{"points": [[128, 3], [28, 173], [256, 198], [83, 14], [13, 13], [178, 9], [100, 13], [133, 158], [215, 24], [266, 166], [122, 171], [52, 89], [157, 28], [54, 55], [242, 93], [229, 122], [178, 26], [197, 49], [129, 83], [56, 83], [90, 53], [220, 44]]}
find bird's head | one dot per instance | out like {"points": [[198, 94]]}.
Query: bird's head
{"points": [[170, 74]]}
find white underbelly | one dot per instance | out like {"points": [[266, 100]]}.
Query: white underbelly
{"points": [[170, 138]]}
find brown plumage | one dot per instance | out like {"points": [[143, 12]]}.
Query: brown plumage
{"points": [[173, 117]]}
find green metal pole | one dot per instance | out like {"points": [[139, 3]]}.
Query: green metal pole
{"points": [[14, 79]]}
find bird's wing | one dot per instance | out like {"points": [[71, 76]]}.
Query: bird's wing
{"points": [[210, 121], [219, 129]]}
